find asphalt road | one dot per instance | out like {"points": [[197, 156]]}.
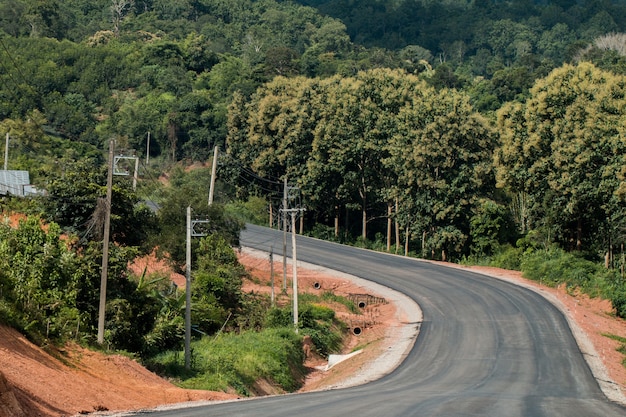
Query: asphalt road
{"points": [[485, 348]]}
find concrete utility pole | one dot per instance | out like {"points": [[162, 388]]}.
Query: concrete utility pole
{"points": [[284, 210], [148, 149], [6, 153], [294, 259], [123, 170], [188, 294], [294, 266], [285, 236], [136, 174], [272, 275], [213, 172], [105, 246], [190, 233]]}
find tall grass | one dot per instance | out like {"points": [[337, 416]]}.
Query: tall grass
{"points": [[237, 361]]}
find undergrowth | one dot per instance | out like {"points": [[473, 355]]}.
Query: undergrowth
{"points": [[236, 361], [554, 266]]}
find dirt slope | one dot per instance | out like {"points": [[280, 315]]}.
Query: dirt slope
{"points": [[79, 381]]}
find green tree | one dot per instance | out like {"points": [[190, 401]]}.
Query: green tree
{"points": [[562, 147], [442, 154], [41, 278], [489, 227], [185, 190], [356, 123], [216, 287]]}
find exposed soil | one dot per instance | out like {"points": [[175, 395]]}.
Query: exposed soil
{"points": [[75, 380]]}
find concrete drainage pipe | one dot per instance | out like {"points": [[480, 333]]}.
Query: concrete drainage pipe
{"points": [[356, 330], [317, 285]]}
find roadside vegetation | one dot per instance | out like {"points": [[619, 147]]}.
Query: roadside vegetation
{"points": [[622, 348], [273, 353]]}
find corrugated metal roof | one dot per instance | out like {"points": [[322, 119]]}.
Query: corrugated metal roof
{"points": [[14, 182]]}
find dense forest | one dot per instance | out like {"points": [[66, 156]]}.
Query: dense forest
{"points": [[483, 131]]}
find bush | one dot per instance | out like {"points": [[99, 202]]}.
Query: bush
{"points": [[314, 320], [618, 301], [555, 266], [254, 211], [508, 257], [325, 330], [321, 231]]}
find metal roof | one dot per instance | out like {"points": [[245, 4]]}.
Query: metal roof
{"points": [[15, 183]]}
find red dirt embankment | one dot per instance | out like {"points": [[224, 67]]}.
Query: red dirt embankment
{"points": [[78, 380]]}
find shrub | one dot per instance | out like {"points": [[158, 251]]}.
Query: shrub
{"points": [[508, 257], [555, 266], [252, 211], [618, 301]]}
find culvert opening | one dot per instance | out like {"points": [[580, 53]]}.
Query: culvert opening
{"points": [[317, 285], [362, 304], [356, 331]]}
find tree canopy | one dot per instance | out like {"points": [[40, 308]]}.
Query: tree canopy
{"points": [[564, 148]]}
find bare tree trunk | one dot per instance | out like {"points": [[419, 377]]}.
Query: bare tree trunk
{"points": [[364, 231], [172, 135], [336, 221], [397, 228], [271, 217], [363, 194], [579, 234], [519, 209], [406, 241], [389, 213], [119, 9]]}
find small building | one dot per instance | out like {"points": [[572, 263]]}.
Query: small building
{"points": [[16, 183]]}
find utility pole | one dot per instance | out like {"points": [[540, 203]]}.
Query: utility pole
{"points": [[285, 236], [148, 149], [294, 259], [105, 246], [213, 172], [190, 233], [284, 210], [123, 169], [272, 275], [295, 270], [6, 153], [188, 293], [136, 174]]}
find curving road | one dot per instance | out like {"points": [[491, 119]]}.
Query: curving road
{"points": [[485, 348]]}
